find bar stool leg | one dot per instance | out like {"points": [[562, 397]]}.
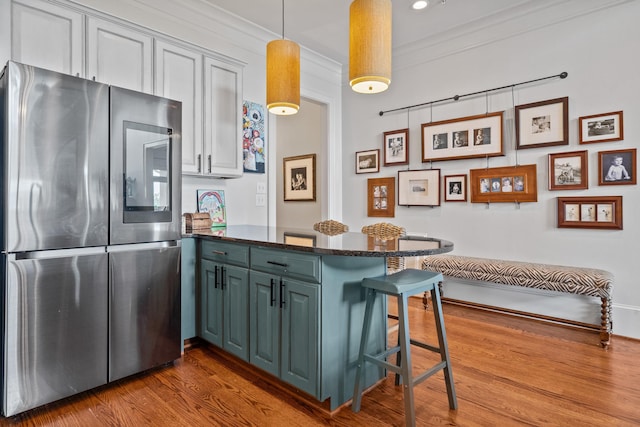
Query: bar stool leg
{"points": [[444, 347], [405, 368], [368, 312]]}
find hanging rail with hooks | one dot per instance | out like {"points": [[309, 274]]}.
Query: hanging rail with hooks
{"points": [[562, 75]]}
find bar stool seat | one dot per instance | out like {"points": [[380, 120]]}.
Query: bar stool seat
{"points": [[402, 285]]}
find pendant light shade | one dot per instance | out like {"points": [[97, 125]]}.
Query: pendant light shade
{"points": [[370, 45], [283, 77]]}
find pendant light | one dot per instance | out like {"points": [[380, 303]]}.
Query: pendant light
{"points": [[370, 45], [283, 75]]}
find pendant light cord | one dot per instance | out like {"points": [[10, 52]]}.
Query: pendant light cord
{"points": [[282, 19]]}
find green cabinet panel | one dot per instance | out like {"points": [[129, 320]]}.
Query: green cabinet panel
{"points": [[284, 329], [287, 263], [264, 326], [224, 306], [299, 334]]}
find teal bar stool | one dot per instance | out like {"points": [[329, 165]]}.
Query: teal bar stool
{"points": [[402, 285]]}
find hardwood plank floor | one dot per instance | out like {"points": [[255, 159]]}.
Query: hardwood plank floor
{"points": [[508, 371]]}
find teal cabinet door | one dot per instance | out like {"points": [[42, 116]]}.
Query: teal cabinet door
{"points": [[235, 287], [264, 318], [300, 335], [224, 307], [211, 300]]}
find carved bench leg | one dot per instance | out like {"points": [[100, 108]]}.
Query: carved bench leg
{"points": [[425, 296], [606, 325]]}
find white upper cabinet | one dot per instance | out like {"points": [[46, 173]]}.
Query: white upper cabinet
{"points": [[222, 118], [119, 56], [179, 76], [47, 36]]}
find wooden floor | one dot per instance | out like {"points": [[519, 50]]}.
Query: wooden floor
{"points": [[508, 371]]}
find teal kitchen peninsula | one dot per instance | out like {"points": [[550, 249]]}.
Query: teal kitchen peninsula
{"points": [[289, 301]]}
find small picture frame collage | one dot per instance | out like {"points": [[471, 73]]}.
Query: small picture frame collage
{"points": [[504, 184], [604, 212]]}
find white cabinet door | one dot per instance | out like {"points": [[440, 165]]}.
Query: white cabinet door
{"points": [[222, 118], [119, 56], [178, 73], [47, 36]]}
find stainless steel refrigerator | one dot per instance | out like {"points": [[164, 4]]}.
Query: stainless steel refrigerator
{"points": [[90, 234]]}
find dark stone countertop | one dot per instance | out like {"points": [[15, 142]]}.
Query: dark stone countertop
{"points": [[305, 240]]}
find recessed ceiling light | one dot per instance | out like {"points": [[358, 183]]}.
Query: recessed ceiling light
{"points": [[420, 4]]}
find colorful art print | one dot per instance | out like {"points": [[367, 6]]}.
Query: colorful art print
{"points": [[600, 212], [299, 176], [617, 167], [396, 147], [419, 187], [368, 161], [381, 201], [463, 138], [542, 124], [455, 188], [601, 128], [212, 201], [504, 184], [254, 138], [569, 171]]}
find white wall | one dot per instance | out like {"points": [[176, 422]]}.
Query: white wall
{"points": [[599, 53], [301, 134]]}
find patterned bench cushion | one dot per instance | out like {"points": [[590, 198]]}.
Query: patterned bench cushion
{"points": [[573, 280]]}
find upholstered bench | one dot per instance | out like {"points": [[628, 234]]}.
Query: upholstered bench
{"points": [[571, 280]]}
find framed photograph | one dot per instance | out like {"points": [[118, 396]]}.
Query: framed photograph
{"points": [[455, 188], [617, 167], [212, 201], [299, 239], [381, 197], [463, 138], [541, 124], [368, 161], [601, 128], [604, 212], [569, 171], [504, 184], [419, 188], [396, 147], [299, 175]]}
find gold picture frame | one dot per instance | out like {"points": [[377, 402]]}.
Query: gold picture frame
{"points": [[381, 197], [504, 184], [463, 138], [599, 212]]}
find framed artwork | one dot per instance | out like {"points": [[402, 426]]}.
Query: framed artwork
{"points": [[463, 138], [569, 171], [542, 124], [254, 138], [601, 128], [396, 147], [212, 201], [419, 188], [455, 188], [381, 197], [299, 239], [504, 184], [299, 175], [604, 212], [617, 167], [368, 161]]}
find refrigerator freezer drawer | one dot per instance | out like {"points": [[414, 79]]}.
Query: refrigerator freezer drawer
{"points": [[55, 329], [145, 310]]}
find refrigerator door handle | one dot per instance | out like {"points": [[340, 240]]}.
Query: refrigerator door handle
{"points": [[57, 253], [143, 246]]}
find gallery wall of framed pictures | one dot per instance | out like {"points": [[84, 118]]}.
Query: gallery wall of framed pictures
{"points": [[538, 124]]}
